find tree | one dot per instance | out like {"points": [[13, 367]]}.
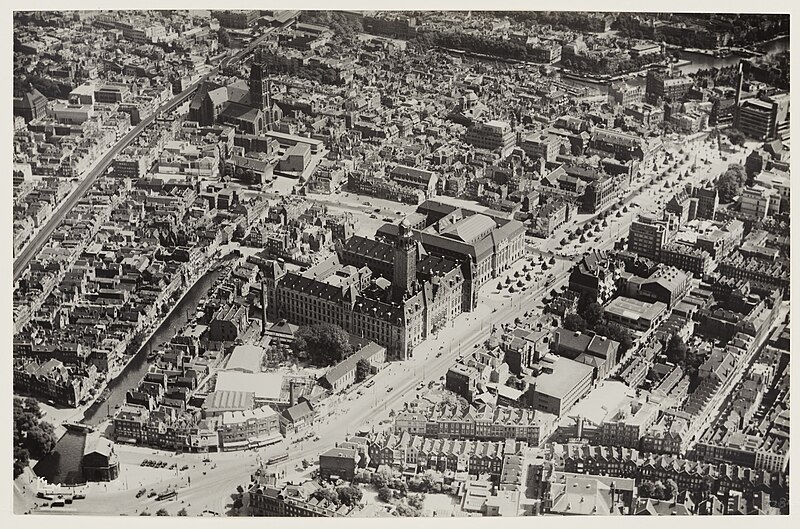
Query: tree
{"points": [[224, 38], [385, 494], [676, 349], [670, 489], [162, 512], [326, 493], [593, 314], [416, 501], [729, 184], [407, 511], [658, 491], [415, 484], [736, 136], [574, 322], [617, 333], [382, 477], [325, 343], [31, 436], [350, 495], [646, 489], [21, 460], [363, 368], [41, 439], [430, 478], [399, 485], [183, 512], [361, 476]]}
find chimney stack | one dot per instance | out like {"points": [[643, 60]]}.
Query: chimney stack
{"points": [[739, 80], [263, 309]]}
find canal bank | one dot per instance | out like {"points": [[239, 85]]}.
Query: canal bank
{"points": [[137, 367], [62, 466], [704, 61]]}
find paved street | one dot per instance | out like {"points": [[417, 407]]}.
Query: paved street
{"points": [[353, 412]]}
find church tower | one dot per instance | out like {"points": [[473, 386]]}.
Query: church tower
{"points": [[405, 263], [260, 96]]}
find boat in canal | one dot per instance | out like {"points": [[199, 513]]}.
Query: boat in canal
{"points": [[104, 395], [78, 427]]}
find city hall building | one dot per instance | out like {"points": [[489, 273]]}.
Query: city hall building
{"points": [[399, 307]]}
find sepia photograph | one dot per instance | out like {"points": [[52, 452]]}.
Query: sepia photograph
{"points": [[431, 263]]}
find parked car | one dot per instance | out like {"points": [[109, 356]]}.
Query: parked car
{"points": [[141, 493]]}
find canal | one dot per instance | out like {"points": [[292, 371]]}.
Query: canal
{"points": [[705, 62], [136, 369], [63, 465]]}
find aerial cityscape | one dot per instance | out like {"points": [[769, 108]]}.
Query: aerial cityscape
{"points": [[400, 263]]}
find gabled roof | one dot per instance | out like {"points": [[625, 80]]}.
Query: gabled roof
{"points": [[297, 412]]}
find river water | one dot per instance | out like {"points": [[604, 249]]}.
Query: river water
{"points": [[701, 61]]}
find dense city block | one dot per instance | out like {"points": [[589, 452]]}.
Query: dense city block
{"points": [[400, 264]]}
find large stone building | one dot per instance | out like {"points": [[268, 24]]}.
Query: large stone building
{"points": [[496, 136], [485, 246], [647, 235], [597, 275], [247, 107], [99, 461], [423, 293]]}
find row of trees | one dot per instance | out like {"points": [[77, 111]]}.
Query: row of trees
{"points": [[749, 29], [340, 23], [48, 88], [325, 343], [609, 64], [495, 47], [559, 20], [347, 495], [33, 438]]}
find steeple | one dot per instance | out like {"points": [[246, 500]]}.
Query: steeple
{"points": [[405, 263], [260, 96]]}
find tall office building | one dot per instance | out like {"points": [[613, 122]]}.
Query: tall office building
{"points": [[766, 118]]}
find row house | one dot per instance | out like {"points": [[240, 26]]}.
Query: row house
{"points": [[420, 453], [689, 475]]}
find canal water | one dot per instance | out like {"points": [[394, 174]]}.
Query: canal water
{"points": [[706, 62], [63, 465], [137, 368]]}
